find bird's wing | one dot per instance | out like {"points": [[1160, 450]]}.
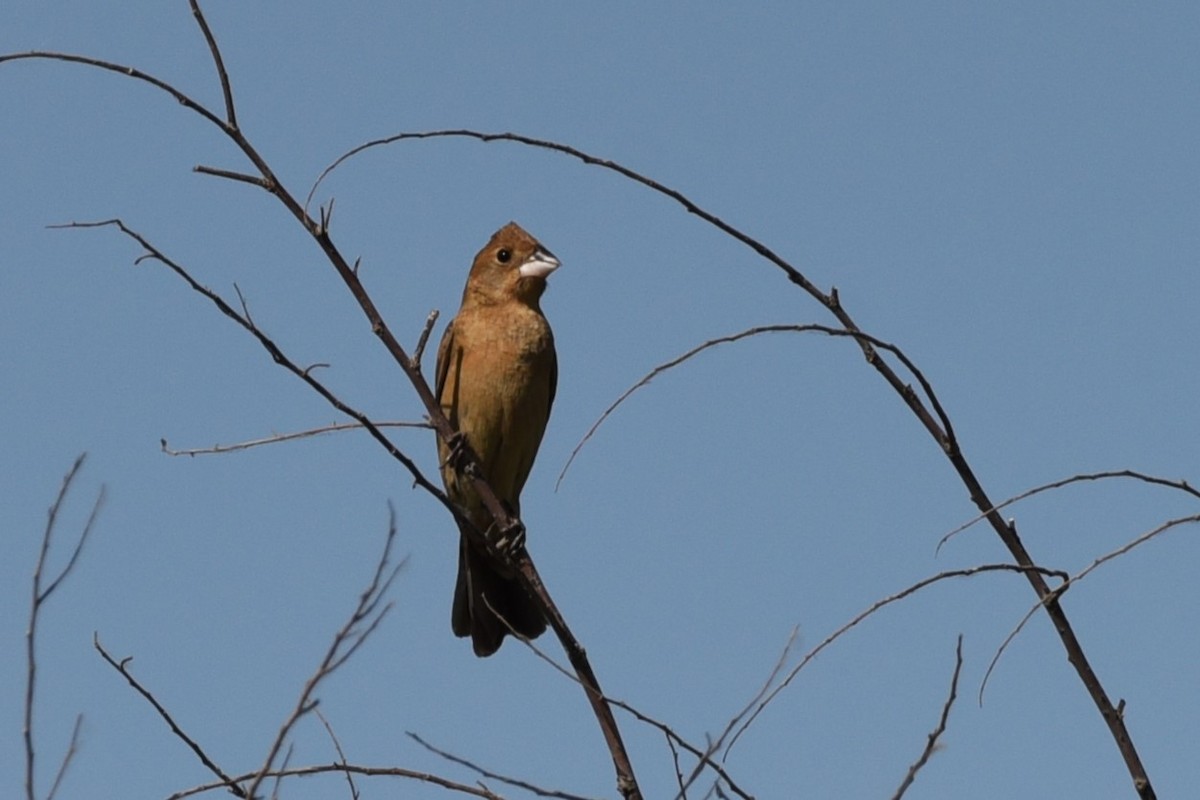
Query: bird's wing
{"points": [[443, 361], [553, 382]]}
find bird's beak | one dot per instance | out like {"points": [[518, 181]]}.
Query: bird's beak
{"points": [[539, 265]]}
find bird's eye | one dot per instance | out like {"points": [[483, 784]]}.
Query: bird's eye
{"points": [[504, 255]]}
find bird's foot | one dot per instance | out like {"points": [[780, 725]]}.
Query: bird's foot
{"points": [[456, 454], [510, 540]]}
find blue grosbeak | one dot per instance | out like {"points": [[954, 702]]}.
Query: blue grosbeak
{"points": [[496, 376]]}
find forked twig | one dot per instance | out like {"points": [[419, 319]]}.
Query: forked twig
{"points": [[362, 622], [41, 592]]}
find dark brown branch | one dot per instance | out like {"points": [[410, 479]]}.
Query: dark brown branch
{"points": [[122, 667], [277, 354], [218, 62], [703, 756], [253, 180], [936, 733]]}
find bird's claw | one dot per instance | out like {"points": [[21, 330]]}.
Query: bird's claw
{"points": [[456, 453], [510, 540]]}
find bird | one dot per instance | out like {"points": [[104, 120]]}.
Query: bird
{"points": [[496, 376]]}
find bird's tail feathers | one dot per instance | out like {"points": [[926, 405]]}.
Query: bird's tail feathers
{"points": [[481, 593]]}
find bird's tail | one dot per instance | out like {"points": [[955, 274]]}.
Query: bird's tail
{"points": [[482, 588]]}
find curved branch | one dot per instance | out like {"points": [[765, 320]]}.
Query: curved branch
{"points": [[734, 337], [121, 69]]}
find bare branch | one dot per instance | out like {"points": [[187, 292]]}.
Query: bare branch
{"points": [[120, 69], [277, 438], [520, 784], [704, 756], [734, 337], [1122, 550], [153, 253], [241, 177], [715, 744], [359, 626], [1181, 485], [68, 757], [38, 598], [415, 362], [337, 745], [355, 769], [876, 606], [218, 62], [936, 733], [122, 667]]}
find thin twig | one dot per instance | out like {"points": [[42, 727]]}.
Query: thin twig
{"points": [[241, 177], [72, 749], [358, 627], [122, 667], [517, 782], [932, 741], [337, 745], [419, 350], [715, 744], [734, 337], [277, 438], [38, 598], [1181, 485], [876, 606], [1071, 581], [356, 769]]}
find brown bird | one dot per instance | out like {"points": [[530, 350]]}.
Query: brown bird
{"points": [[496, 377]]}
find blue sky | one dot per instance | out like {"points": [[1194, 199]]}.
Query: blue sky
{"points": [[1008, 193]]}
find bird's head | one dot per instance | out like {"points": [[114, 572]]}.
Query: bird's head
{"points": [[513, 265]]}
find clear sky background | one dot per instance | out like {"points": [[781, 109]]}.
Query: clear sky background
{"points": [[1011, 193]]}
